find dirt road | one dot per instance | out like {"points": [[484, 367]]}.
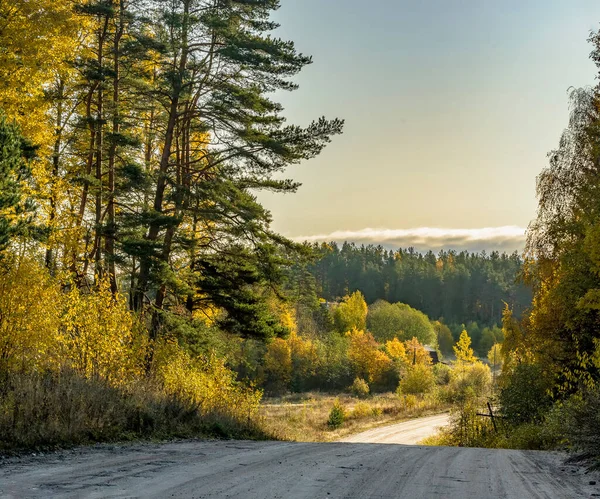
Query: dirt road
{"points": [[406, 433], [260, 470]]}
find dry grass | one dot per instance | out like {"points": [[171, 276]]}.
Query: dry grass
{"points": [[45, 411], [303, 417]]}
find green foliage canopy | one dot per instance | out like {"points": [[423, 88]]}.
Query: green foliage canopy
{"points": [[445, 340], [387, 321]]}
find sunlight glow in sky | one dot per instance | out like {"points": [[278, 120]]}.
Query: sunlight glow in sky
{"points": [[451, 107]]}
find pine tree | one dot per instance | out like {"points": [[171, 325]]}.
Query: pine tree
{"points": [[221, 139], [14, 150], [159, 126]]}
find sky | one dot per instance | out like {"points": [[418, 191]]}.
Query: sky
{"points": [[451, 107]]}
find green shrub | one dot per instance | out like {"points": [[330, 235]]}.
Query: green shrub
{"points": [[337, 415], [360, 388], [530, 436], [524, 396], [442, 373], [419, 379], [469, 382], [467, 429], [579, 420]]}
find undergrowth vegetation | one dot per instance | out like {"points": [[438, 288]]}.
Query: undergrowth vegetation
{"points": [[77, 366]]}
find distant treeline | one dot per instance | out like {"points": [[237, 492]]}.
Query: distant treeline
{"points": [[455, 287]]}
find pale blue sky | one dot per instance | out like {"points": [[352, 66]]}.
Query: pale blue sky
{"points": [[450, 108]]}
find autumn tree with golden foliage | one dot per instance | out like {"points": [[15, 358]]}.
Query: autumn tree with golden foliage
{"points": [[278, 364], [462, 349], [370, 362], [351, 313], [416, 353], [396, 350]]}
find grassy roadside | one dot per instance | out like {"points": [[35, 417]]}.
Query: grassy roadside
{"points": [[298, 417], [303, 417], [45, 412]]}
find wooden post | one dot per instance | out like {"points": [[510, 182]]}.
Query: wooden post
{"points": [[492, 416]]}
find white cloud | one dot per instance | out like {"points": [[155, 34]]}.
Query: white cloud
{"points": [[507, 238]]}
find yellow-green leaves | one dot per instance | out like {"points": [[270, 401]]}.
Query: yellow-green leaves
{"points": [[463, 350], [46, 325], [38, 38], [97, 334], [369, 361], [31, 307], [351, 313]]}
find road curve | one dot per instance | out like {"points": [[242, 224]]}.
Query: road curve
{"points": [[261, 470], [407, 433]]}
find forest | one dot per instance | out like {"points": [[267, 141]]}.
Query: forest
{"points": [[454, 287], [143, 293]]}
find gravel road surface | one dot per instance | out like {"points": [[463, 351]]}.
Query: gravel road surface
{"points": [[407, 433], [261, 470]]}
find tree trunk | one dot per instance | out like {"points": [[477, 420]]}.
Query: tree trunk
{"points": [[99, 146], [49, 260], [109, 236], [155, 225], [88, 172]]}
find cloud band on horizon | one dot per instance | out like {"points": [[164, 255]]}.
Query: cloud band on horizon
{"points": [[507, 238]]}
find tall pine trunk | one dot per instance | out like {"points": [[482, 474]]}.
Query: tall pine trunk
{"points": [[49, 259], [98, 268], [110, 233], [161, 184]]}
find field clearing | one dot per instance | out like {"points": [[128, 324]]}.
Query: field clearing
{"points": [[303, 417]]}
